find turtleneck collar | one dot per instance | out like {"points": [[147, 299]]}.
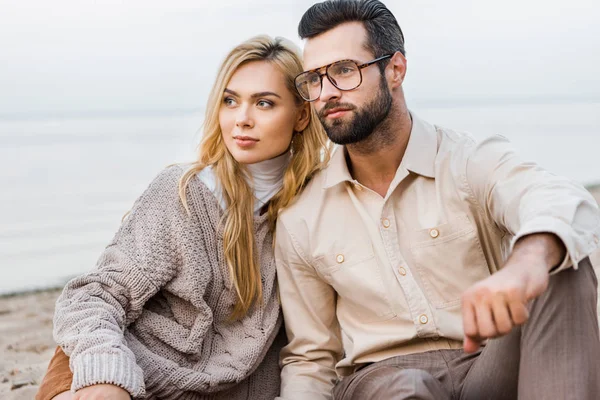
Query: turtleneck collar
{"points": [[267, 178]]}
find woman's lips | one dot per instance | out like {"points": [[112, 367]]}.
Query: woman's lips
{"points": [[245, 141]]}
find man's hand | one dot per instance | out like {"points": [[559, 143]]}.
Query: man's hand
{"points": [[102, 392], [494, 306]]}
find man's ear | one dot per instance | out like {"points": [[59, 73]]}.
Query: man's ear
{"points": [[303, 117], [397, 70]]}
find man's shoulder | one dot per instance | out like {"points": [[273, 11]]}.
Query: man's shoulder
{"points": [[459, 144], [455, 137]]}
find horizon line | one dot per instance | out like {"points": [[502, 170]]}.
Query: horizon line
{"points": [[182, 111]]}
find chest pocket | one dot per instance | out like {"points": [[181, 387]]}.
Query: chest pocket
{"points": [[355, 275], [449, 259]]}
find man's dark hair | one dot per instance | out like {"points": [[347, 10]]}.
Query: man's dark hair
{"points": [[384, 35]]}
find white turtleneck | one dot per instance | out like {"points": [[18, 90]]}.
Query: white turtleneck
{"points": [[266, 178]]}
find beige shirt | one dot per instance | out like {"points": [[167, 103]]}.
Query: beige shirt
{"points": [[363, 278]]}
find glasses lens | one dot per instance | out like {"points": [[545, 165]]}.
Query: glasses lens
{"points": [[308, 85], [344, 74]]}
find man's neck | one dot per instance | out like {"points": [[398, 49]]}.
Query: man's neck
{"points": [[374, 161]]}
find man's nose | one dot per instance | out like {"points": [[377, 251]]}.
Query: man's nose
{"points": [[328, 90]]}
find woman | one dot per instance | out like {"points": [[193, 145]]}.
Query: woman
{"points": [[183, 302]]}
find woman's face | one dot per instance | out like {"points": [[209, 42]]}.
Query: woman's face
{"points": [[258, 114]]}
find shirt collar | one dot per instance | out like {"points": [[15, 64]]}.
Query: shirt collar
{"points": [[422, 148], [419, 156]]}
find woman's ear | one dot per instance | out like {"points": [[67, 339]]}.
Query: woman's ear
{"points": [[303, 117]]}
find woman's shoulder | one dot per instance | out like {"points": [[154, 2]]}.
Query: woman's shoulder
{"points": [[166, 187], [170, 177]]}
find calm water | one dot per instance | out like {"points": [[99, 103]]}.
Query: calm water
{"points": [[65, 184]]}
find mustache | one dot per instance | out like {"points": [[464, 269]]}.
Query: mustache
{"points": [[330, 106]]}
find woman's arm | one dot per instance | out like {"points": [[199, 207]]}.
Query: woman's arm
{"points": [[94, 309], [56, 384]]}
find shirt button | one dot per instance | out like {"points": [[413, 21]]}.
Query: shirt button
{"points": [[423, 319], [340, 258], [402, 271], [385, 222], [434, 233]]}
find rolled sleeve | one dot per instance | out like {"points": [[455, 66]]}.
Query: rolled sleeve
{"points": [[309, 309], [522, 198]]}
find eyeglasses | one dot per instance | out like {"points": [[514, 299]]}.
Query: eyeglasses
{"points": [[344, 75]]}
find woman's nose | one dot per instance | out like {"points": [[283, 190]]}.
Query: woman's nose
{"points": [[243, 118]]}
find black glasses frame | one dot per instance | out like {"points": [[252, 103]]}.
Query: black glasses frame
{"points": [[326, 67]]}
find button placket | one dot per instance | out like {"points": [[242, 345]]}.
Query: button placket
{"points": [[414, 296]]}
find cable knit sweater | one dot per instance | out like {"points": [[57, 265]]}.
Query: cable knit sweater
{"points": [[152, 317]]}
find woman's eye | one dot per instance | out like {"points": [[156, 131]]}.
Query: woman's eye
{"points": [[228, 101], [264, 104]]}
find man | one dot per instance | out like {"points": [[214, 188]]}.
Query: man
{"points": [[422, 263]]}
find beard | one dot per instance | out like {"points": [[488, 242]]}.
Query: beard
{"points": [[363, 123]]}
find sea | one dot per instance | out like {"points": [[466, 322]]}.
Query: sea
{"points": [[66, 182]]}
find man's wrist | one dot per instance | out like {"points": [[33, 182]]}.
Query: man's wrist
{"points": [[545, 247]]}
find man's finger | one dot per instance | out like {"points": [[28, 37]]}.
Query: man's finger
{"points": [[471, 345], [518, 311], [469, 319], [501, 315], [485, 322]]}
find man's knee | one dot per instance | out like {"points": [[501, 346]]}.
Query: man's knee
{"points": [[389, 382], [581, 283]]}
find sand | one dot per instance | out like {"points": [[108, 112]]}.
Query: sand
{"points": [[26, 343]]}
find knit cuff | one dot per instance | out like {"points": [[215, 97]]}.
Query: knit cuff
{"points": [[114, 369]]}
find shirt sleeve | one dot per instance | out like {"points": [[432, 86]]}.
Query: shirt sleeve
{"points": [[309, 310], [522, 198], [94, 309]]}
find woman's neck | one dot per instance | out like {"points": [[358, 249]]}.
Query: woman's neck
{"points": [[266, 178]]}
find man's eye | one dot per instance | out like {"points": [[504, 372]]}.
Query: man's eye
{"points": [[313, 80]]}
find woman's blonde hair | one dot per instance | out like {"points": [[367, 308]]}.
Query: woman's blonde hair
{"points": [[309, 149]]}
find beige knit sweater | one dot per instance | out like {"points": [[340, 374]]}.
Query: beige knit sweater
{"points": [[152, 317]]}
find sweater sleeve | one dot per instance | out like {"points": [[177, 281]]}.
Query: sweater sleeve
{"points": [[94, 309]]}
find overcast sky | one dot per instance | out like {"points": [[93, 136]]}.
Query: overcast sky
{"points": [[128, 56]]}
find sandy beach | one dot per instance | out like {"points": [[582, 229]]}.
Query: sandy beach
{"points": [[26, 343]]}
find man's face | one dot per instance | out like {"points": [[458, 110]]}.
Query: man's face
{"points": [[348, 116]]}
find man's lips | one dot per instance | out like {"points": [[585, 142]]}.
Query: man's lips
{"points": [[336, 112]]}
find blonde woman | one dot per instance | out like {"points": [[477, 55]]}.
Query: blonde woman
{"points": [[183, 302]]}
